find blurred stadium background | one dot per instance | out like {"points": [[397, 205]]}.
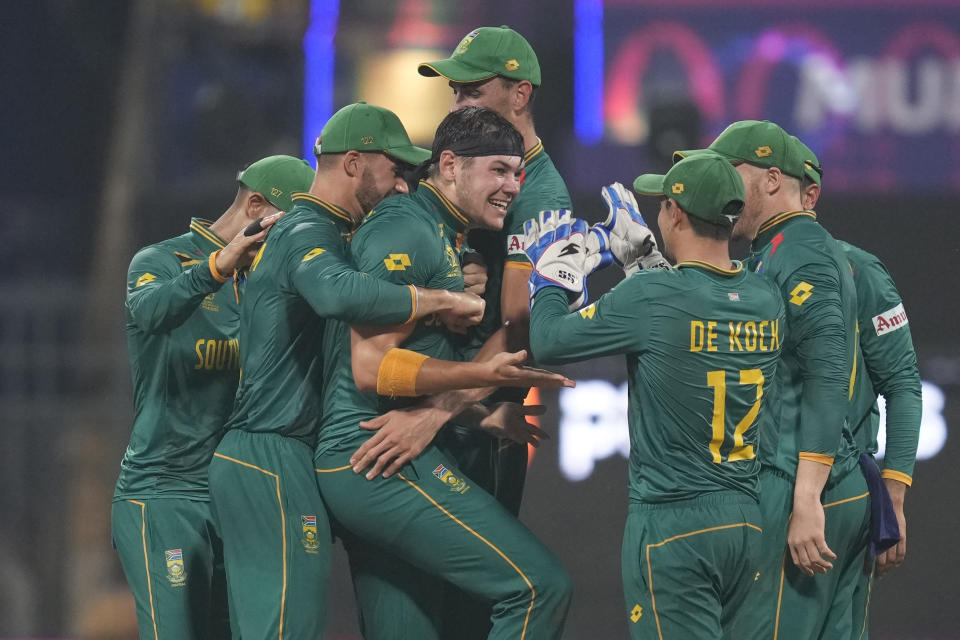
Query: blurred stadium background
{"points": [[122, 119]]}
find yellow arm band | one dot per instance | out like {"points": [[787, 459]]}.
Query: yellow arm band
{"points": [[816, 457], [414, 304], [212, 263], [890, 474], [398, 371]]}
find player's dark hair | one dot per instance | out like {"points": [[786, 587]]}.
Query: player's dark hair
{"points": [[475, 131], [703, 229]]}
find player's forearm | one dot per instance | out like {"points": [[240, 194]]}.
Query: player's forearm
{"points": [[161, 307], [904, 409], [515, 304], [356, 298], [811, 479]]}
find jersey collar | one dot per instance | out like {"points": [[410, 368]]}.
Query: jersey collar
{"points": [[771, 226], [315, 204], [533, 152], [204, 237], [712, 268], [452, 216]]}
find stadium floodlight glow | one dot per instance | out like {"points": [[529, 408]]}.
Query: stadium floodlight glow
{"points": [[319, 54], [588, 71]]}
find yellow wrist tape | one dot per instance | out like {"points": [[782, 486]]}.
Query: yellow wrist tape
{"points": [[212, 263], [398, 372]]}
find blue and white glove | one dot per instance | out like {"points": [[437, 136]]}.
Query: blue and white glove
{"points": [[627, 236], [556, 247]]}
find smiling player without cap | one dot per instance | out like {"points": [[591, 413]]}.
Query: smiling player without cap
{"points": [[495, 67], [429, 521]]}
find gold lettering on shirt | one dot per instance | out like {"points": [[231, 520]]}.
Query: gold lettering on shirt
{"points": [[696, 336], [711, 335], [217, 355]]}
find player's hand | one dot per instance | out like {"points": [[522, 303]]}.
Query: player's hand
{"points": [[400, 437], [240, 251], [630, 240], [466, 310], [556, 247], [507, 370], [805, 537], [474, 273], [509, 420], [894, 556]]}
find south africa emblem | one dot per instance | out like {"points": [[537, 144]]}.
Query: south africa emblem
{"points": [[310, 542], [176, 574]]}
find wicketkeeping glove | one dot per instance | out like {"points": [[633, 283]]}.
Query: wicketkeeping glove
{"points": [[556, 246], [630, 240]]}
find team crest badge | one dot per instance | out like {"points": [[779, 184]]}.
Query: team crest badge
{"points": [[309, 540], [511, 65], [176, 574], [467, 39], [455, 484]]}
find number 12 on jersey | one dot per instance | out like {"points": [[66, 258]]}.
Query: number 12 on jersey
{"points": [[718, 380]]}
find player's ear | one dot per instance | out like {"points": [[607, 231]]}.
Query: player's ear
{"points": [[257, 206], [447, 166], [353, 164], [773, 180], [521, 95]]}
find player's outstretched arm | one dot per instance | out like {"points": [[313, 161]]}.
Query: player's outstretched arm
{"points": [[380, 365]]}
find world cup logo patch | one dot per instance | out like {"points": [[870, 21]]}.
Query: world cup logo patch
{"points": [[310, 541], [176, 573], [455, 484]]}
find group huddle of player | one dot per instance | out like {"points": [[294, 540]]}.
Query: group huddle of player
{"points": [[363, 379]]}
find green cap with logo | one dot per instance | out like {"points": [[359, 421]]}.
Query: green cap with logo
{"points": [[487, 52], [365, 127], [277, 178], [705, 185], [761, 143], [811, 164]]}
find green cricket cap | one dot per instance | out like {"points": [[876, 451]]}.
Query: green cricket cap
{"points": [[811, 164], [365, 127], [761, 143], [277, 178], [705, 185], [487, 52]]}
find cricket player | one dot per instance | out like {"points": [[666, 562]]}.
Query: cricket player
{"points": [[495, 67], [702, 343], [813, 497], [889, 369], [182, 331], [272, 519], [405, 532]]}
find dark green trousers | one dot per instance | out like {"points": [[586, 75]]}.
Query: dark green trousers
{"points": [[688, 567], [276, 534], [432, 518], [173, 560]]}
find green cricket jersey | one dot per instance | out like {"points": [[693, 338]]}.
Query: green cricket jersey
{"points": [[299, 280], [542, 189], [702, 345], [182, 340], [889, 368], [812, 391], [408, 239]]}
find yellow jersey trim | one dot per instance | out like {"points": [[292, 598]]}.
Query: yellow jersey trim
{"points": [[344, 468], [413, 304], [533, 152], [816, 457], [204, 230], [146, 563], [452, 208], [866, 607], [516, 264], [853, 370], [283, 531], [533, 592], [339, 212], [712, 267], [781, 217], [890, 474], [846, 500], [776, 621], [653, 600]]}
